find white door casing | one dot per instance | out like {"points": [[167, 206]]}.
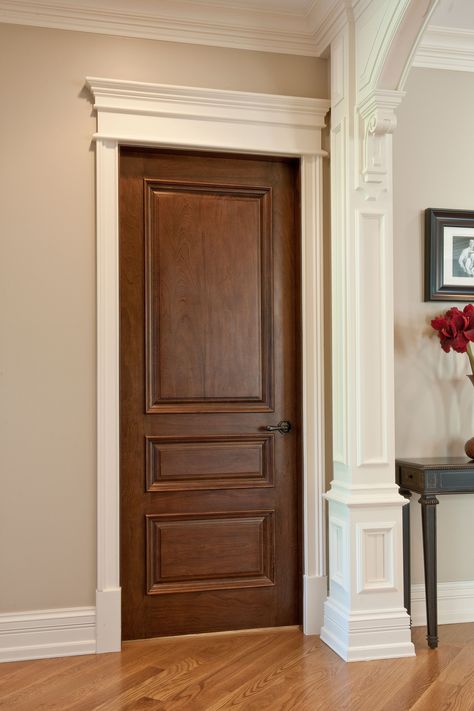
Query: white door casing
{"points": [[183, 117]]}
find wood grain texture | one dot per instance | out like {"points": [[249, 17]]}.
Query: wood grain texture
{"points": [[257, 670], [210, 551], [210, 355], [178, 464], [209, 296]]}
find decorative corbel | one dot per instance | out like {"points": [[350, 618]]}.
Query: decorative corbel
{"points": [[377, 122]]}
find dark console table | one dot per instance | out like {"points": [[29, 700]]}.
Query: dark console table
{"points": [[430, 478]]}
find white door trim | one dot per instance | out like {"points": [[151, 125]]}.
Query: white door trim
{"points": [[161, 115]]}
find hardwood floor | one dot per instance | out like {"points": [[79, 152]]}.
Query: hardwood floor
{"points": [[277, 670]]}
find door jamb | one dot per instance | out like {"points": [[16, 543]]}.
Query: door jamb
{"points": [[185, 117]]}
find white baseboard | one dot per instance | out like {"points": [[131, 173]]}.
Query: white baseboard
{"points": [[40, 634], [455, 603]]}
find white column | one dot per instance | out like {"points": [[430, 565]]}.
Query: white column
{"points": [[364, 615], [108, 595]]}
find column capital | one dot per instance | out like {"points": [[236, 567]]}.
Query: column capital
{"points": [[377, 120], [378, 111]]}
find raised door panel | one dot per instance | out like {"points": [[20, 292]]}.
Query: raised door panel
{"points": [[226, 462], [210, 551], [208, 286]]}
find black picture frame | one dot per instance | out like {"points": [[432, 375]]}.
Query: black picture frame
{"points": [[448, 262]]}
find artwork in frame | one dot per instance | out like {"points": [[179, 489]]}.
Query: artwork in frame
{"points": [[449, 255]]}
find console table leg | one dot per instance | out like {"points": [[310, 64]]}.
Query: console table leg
{"points": [[406, 551], [428, 516]]}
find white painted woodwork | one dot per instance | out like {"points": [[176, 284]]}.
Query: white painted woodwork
{"points": [[39, 634], [338, 552], [455, 603], [314, 526], [375, 557], [449, 48], [158, 115], [108, 555], [135, 112], [364, 615], [301, 27]]}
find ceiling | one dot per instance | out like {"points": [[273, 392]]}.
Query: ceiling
{"points": [[302, 27], [454, 13]]}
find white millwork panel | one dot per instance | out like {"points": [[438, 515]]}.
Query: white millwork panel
{"points": [[339, 552], [375, 557]]}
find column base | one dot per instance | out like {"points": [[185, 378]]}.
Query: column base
{"points": [[367, 635]]}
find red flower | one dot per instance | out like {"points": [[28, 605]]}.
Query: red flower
{"points": [[455, 328]]}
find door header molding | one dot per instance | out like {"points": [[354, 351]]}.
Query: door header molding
{"points": [[182, 117], [136, 112]]}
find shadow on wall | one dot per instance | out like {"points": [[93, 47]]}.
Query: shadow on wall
{"points": [[438, 387]]}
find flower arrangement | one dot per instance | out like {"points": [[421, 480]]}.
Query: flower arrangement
{"points": [[456, 331]]}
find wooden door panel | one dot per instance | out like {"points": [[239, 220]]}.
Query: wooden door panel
{"points": [[208, 307], [209, 551], [177, 464], [209, 317]]}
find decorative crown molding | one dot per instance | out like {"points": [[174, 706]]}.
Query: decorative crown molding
{"points": [[446, 48], [298, 32], [301, 33]]}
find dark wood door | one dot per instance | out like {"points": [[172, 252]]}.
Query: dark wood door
{"points": [[209, 319]]}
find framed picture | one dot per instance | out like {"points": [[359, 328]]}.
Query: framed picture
{"points": [[449, 255]]}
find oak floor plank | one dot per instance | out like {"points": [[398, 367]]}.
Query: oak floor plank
{"points": [[171, 675], [118, 686], [318, 682], [444, 696], [82, 676], [454, 688], [143, 704], [423, 673], [50, 694], [38, 685], [251, 692], [177, 675], [202, 692], [165, 655], [14, 675]]}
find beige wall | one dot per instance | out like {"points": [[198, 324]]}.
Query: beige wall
{"points": [[434, 159], [47, 277]]}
